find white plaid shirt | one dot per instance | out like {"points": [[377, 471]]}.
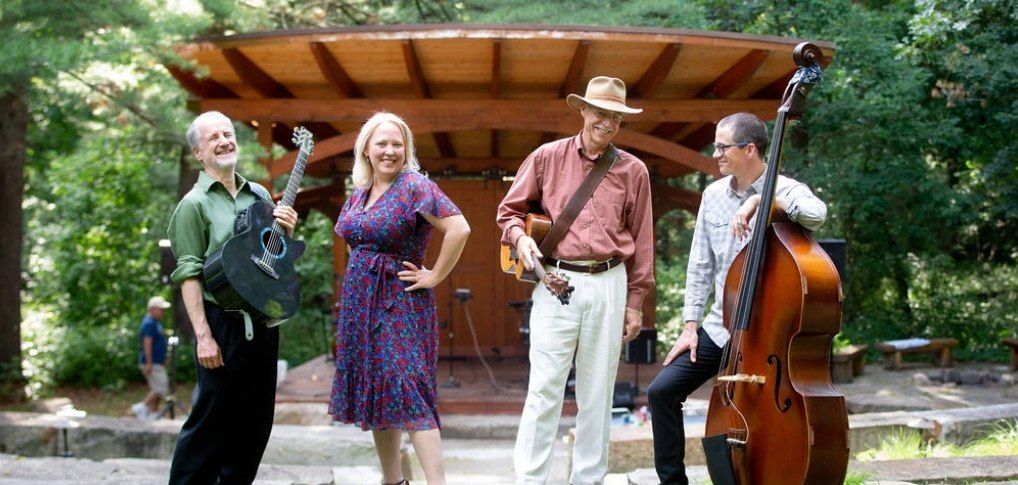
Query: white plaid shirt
{"points": [[714, 247]]}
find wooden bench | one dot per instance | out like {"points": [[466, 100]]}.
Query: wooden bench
{"points": [[847, 363], [939, 347], [1013, 344]]}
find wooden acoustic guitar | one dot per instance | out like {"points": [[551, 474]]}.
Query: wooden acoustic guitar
{"points": [[254, 270], [536, 226]]}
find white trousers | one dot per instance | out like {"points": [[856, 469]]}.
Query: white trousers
{"points": [[590, 327]]}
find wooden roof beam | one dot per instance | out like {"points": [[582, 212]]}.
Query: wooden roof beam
{"points": [[722, 87], [252, 75], [627, 138], [209, 88], [203, 88], [699, 138], [481, 111], [571, 83], [333, 72], [656, 72], [476, 165], [420, 85]]}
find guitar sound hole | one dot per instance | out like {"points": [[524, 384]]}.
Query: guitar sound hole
{"points": [[278, 246]]}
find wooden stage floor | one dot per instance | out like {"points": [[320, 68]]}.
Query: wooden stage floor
{"points": [[312, 381]]}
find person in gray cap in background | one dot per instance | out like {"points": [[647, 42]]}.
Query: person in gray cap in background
{"points": [[152, 359]]}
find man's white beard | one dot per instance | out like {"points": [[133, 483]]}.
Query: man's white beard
{"points": [[224, 164]]}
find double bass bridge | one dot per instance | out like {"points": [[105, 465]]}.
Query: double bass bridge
{"points": [[737, 438], [747, 378]]}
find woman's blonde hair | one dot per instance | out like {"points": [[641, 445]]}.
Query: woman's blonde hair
{"points": [[362, 171]]}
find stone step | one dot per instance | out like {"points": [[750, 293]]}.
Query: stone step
{"points": [[942, 470], [966, 470], [454, 426], [78, 471], [632, 446], [100, 438]]}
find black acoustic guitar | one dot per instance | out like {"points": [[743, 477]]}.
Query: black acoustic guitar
{"points": [[254, 270]]}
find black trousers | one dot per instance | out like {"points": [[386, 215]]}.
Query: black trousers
{"points": [[225, 435], [666, 394]]}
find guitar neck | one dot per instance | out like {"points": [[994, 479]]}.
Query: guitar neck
{"points": [[539, 270], [293, 185]]}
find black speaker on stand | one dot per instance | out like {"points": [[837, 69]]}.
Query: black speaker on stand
{"points": [[835, 248], [452, 383], [641, 350]]}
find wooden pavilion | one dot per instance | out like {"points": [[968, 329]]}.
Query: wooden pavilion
{"points": [[479, 98]]}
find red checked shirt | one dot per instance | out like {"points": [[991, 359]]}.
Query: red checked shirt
{"points": [[615, 223]]}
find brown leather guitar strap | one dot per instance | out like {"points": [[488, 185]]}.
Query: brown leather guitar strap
{"points": [[560, 227]]}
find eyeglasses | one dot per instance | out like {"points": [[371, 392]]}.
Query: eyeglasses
{"points": [[720, 147], [611, 115]]}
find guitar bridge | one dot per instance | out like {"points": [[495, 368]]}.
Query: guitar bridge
{"points": [[265, 267]]}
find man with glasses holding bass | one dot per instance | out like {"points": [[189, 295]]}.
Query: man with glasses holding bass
{"points": [[723, 227]]}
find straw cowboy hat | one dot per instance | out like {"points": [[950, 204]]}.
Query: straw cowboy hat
{"points": [[607, 93]]}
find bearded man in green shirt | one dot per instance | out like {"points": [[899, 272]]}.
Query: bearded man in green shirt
{"points": [[225, 435]]}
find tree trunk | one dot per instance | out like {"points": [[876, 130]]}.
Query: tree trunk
{"points": [[13, 126], [187, 176]]}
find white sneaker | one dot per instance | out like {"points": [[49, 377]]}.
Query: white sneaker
{"points": [[151, 415], [139, 409]]}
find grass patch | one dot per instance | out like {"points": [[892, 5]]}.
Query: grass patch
{"points": [[857, 478], [999, 439]]}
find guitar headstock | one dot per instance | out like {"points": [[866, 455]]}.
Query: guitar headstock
{"points": [[303, 139], [558, 286]]}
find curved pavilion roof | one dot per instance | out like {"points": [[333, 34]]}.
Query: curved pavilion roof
{"points": [[481, 97]]}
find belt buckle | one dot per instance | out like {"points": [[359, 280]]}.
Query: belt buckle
{"points": [[592, 269]]}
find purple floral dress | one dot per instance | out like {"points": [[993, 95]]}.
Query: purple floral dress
{"points": [[386, 338]]}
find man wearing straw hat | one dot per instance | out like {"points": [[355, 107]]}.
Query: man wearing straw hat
{"points": [[608, 255]]}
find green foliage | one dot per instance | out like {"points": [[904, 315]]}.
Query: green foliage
{"points": [[103, 210], [884, 143], [310, 332], [647, 13], [975, 303], [1000, 439], [857, 479]]}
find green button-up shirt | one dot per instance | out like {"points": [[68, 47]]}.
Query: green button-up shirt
{"points": [[203, 221]]}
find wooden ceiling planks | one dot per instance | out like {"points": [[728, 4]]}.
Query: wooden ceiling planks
{"points": [[474, 63]]}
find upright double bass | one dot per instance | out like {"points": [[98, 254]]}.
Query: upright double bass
{"points": [[775, 416]]}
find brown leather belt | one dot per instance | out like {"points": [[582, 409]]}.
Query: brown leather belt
{"points": [[584, 268]]}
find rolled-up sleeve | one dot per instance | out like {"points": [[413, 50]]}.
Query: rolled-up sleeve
{"points": [[517, 201], [699, 271], [804, 207], [188, 232]]}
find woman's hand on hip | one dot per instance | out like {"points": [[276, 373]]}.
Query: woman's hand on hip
{"points": [[420, 278]]}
